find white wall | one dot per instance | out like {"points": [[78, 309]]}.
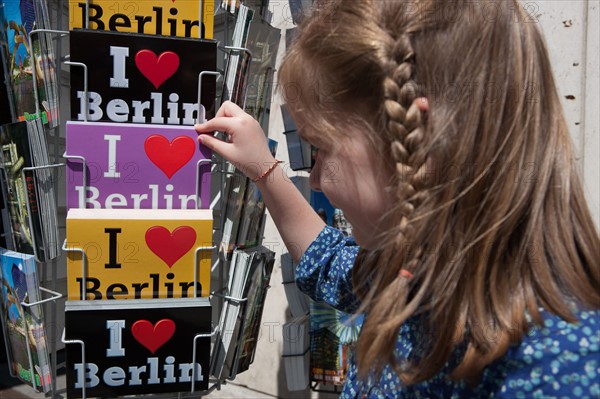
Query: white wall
{"points": [[572, 34]]}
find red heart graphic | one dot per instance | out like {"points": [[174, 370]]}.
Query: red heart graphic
{"points": [[169, 156], [157, 69], [170, 247], [151, 336]]}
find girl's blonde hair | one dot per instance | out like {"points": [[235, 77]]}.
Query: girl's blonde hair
{"points": [[490, 218]]}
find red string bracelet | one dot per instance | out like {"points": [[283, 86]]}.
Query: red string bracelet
{"points": [[266, 172]]}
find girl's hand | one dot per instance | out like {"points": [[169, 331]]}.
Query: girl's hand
{"points": [[246, 148]]}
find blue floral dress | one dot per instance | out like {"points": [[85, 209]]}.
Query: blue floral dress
{"points": [[558, 360]]}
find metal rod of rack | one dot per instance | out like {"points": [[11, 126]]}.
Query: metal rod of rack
{"points": [[83, 363]]}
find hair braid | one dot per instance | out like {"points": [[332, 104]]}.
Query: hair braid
{"points": [[405, 133]]}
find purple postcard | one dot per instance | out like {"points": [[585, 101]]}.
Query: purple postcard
{"points": [[136, 166]]}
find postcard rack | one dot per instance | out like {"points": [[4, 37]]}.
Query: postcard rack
{"points": [[220, 295], [219, 260], [52, 299], [50, 259], [215, 384], [26, 307]]}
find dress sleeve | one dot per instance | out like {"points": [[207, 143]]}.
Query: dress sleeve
{"points": [[325, 270]]}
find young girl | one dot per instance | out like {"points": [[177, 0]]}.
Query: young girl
{"points": [[441, 136]]}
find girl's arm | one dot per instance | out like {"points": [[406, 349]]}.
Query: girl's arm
{"points": [[248, 151]]}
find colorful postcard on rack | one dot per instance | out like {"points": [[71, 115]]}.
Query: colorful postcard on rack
{"points": [[24, 328], [29, 208], [137, 347], [138, 253], [333, 334], [28, 61], [157, 17], [333, 337], [136, 166], [141, 78]]}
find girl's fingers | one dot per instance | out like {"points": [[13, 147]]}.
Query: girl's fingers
{"points": [[243, 144], [216, 124], [229, 108], [214, 144], [224, 120]]}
